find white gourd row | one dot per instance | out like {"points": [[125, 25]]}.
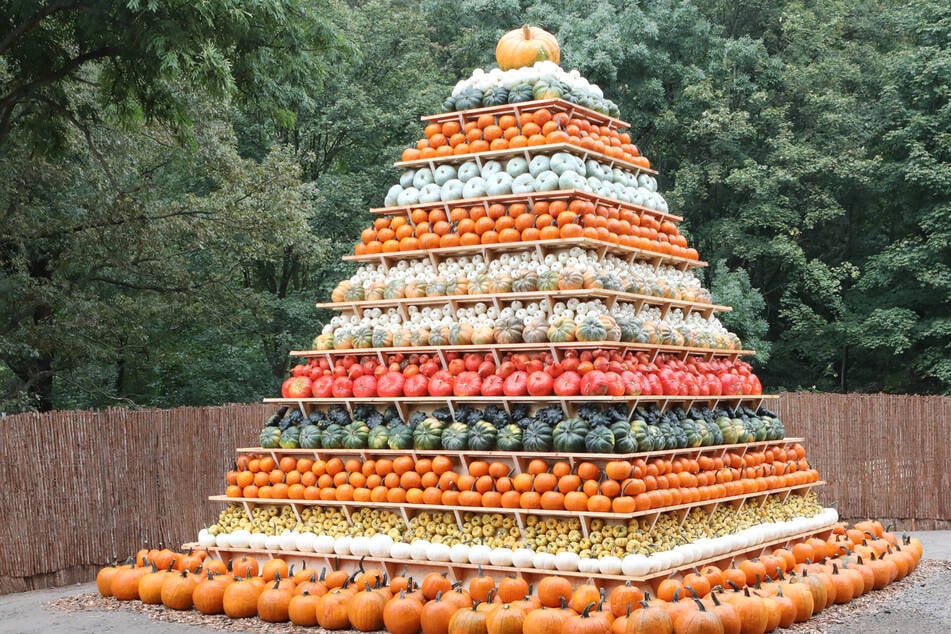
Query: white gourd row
{"points": [[560, 171], [383, 546]]}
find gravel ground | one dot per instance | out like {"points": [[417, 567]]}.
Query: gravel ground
{"points": [[915, 605]]}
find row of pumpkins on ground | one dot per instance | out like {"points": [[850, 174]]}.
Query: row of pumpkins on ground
{"points": [[756, 596]]}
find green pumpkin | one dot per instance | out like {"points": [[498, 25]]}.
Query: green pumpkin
{"points": [[495, 96], [460, 334], [525, 281], [455, 437], [537, 437], [439, 335], [355, 293], [628, 327], [310, 437], [362, 337], [599, 440], [521, 92], [609, 281], [270, 437], [569, 435], [377, 437], [509, 438], [508, 330], [394, 289], [535, 331], [399, 436], [591, 329], [323, 341], [428, 434], [382, 337], [549, 89], [468, 98], [290, 438], [623, 439], [561, 329], [482, 436], [355, 435], [548, 281], [332, 437]]}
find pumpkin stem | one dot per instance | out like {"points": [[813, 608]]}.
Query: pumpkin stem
{"points": [[527, 32], [779, 592], [629, 606], [171, 565], [644, 604], [700, 604], [587, 610], [360, 564], [438, 596], [716, 600], [733, 585]]}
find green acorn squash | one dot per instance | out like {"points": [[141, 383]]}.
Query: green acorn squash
{"points": [[569, 436]]}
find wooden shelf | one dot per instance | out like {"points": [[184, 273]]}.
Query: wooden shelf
{"points": [[555, 105], [519, 513], [522, 456], [555, 347], [502, 299], [528, 199], [527, 153], [543, 246], [465, 571]]}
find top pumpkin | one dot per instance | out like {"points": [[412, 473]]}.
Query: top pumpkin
{"points": [[525, 46]]}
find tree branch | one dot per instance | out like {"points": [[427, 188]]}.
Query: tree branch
{"points": [[14, 97], [27, 26]]}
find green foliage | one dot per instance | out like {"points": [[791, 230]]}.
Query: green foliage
{"points": [[179, 179]]}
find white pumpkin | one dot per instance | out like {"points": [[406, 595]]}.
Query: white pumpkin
{"points": [[305, 542], [419, 550], [438, 552], [589, 565], [459, 554], [380, 545], [360, 546], [635, 565], [240, 538], [324, 544], [522, 557], [543, 561], [610, 565], [206, 539], [400, 550], [222, 540], [342, 545], [501, 557], [566, 561], [273, 542], [289, 540], [479, 554]]}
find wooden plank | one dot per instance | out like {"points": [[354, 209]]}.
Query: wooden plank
{"points": [[557, 105], [508, 511], [607, 580], [559, 244], [526, 455], [529, 199], [533, 347], [584, 293], [527, 152]]}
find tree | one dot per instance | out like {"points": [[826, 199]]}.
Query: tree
{"points": [[129, 217]]}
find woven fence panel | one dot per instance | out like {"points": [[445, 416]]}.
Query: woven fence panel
{"points": [[84, 487], [884, 456]]}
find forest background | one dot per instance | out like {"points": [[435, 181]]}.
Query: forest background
{"points": [[179, 178]]}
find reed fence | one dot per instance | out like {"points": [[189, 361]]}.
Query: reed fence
{"points": [[84, 487]]}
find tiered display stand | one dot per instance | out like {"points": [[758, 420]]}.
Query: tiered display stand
{"points": [[518, 461]]}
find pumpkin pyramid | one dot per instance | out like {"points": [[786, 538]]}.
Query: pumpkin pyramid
{"points": [[524, 373]]}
